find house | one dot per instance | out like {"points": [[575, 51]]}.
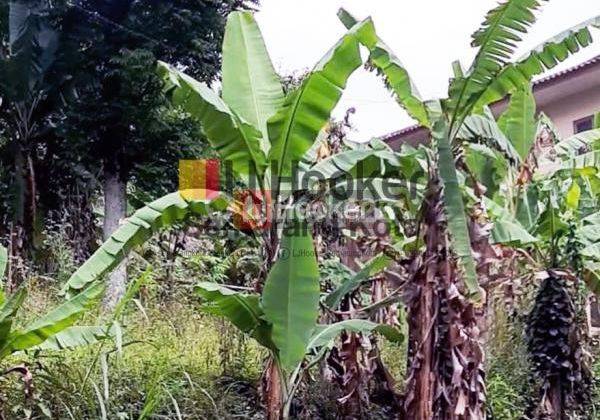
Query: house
{"points": [[570, 98]]}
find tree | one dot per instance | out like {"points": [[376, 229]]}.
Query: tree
{"points": [[445, 359], [551, 215], [30, 47], [116, 119]]}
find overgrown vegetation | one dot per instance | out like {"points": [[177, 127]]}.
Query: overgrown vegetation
{"points": [[299, 275]]}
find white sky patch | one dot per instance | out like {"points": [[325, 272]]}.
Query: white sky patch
{"points": [[427, 36]]}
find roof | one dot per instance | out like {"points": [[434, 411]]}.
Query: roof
{"points": [[561, 75], [538, 84]]}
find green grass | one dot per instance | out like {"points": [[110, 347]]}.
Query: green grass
{"points": [[175, 363]]}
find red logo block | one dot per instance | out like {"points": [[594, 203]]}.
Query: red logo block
{"points": [[199, 179]]}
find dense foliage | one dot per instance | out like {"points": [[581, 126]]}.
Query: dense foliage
{"points": [[326, 279]]}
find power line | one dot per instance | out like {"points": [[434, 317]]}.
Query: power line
{"points": [[116, 25]]}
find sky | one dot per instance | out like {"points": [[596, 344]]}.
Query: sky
{"points": [[427, 36]]}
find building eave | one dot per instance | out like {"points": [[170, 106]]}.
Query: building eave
{"points": [[538, 85]]}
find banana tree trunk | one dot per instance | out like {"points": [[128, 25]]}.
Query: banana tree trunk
{"points": [[272, 383], [445, 360], [273, 390], [115, 210], [556, 350]]}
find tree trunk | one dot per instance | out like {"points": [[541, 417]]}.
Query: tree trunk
{"points": [[23, 217], [272, 390], [445, 360], [556, 350], [115, 210]]}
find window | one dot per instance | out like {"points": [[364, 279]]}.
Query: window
{"points": [[583, 124]]}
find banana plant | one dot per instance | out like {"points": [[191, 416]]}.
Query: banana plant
{"points": [[492, 75], [52, 331], [548, 208], [261, 134], [283, 318], [254, 128], [561, 240]]}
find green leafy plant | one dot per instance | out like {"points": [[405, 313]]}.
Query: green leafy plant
{"points": [[283, 319], [547, 208], [52, 331], [491, 77], [260, 132]]}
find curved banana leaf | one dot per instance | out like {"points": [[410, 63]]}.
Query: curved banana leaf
{"points": [[573, 146], [325, 334], [376, 190], [72, 337], [250, 85], [8, 311], [496, 39], [542, 58], [235, 140], [307, 110], [55, 321], [136, 230], [484, 129], [242, 310], [359, 163], [518, 122], [290, 297], [511, 233], [373, 267], [455, 208], [586, 162], [389, 66]]}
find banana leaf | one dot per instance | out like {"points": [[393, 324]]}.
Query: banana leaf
{"points": [[250, 85], [72, 337], [544, 57], [55, 321], [370, 269], [234, 139], [455, 209], [308, 109], [497, 41], [585, 142], [518, 122], [389, 66], [325, 334], [290, 298], [241, 309], [136, 230]]}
